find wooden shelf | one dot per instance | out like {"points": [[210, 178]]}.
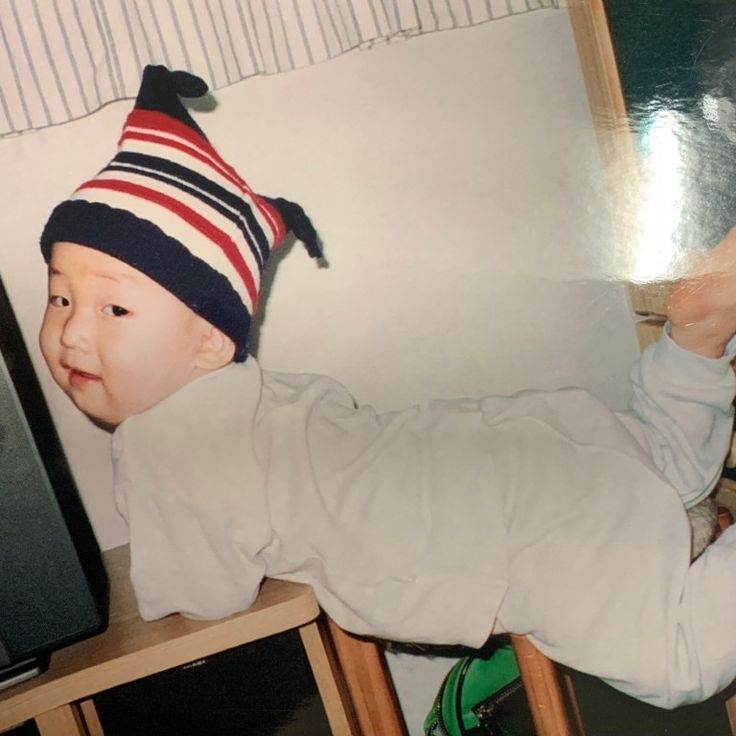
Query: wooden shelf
{"points": [[131, 648]]}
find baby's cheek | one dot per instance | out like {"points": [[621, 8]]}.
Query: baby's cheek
{"points": [[131, 389], [43, 337], [49, 347]]}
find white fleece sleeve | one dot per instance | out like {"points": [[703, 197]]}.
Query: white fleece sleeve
{"points": [[196, 514], [682, 414]]}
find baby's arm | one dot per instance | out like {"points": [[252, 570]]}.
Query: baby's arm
{"points": [[185, 484], [683, 386], [183, 530]]}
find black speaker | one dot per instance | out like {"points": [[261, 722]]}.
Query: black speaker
{"points": [[53, 586]]}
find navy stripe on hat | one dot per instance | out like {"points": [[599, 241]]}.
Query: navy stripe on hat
{"points": [[238, 218]]}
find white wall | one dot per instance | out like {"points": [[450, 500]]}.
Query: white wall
{"points": [[456, 184]]}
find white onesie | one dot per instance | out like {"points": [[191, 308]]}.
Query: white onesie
{"points": [[543, 513]]}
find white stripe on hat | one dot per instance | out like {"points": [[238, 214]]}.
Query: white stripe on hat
{"points": [[211, 171], [152, 176], [193, 203]]}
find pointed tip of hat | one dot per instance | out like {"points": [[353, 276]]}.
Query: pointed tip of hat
{"points": [[162, 79], [161, 89], [187, 84]]}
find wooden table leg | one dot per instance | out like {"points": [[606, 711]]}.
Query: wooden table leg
{"points": [[731, 711], [369, 683], [91, 719], [330, 681], [62, 721], [543, 690]]}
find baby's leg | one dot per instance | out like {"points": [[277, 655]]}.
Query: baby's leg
{"points": [[639, 617], [705, 659], [681, 413], [683, 388], [702, 314], [702, 307]]}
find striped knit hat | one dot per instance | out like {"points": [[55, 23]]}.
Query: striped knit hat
{"points": [[169, 206]]}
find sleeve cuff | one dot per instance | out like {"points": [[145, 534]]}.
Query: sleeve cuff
{"points": [[668, 352]]}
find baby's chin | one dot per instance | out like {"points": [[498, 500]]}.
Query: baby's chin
{"points": [[108, 426], [106, 421], [108, 412]]}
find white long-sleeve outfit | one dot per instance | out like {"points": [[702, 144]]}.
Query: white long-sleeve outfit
{"points": [[543, 513]]}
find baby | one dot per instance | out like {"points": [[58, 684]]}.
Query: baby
{"points": [[543, 514]]}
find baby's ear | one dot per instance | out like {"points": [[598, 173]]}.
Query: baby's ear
{"points": [[216, 349]]}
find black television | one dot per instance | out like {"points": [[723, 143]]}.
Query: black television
{"points": [[53, 586]]}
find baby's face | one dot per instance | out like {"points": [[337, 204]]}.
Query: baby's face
{"points": [[115, 341]]}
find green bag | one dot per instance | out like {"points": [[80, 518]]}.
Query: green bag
{"points": [[482, 695]]}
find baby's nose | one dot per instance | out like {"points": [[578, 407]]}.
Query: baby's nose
{"points": [[76, 332]]}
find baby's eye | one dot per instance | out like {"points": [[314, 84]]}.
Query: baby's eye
{"points": [[115, 311], [56, 300]]}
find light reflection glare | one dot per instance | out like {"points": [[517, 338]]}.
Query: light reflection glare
{"points": [[657, 252]]}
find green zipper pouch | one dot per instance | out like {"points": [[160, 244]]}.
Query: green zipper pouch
{"points": [[482, 696]]}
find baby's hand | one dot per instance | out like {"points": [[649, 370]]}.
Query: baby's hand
{"points": [[701, 307]]}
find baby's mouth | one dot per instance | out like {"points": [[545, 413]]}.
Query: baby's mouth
{"points": [[79, 378]]}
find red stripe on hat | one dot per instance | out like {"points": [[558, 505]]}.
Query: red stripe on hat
{"points": [[160, 122], [274, 217], [204, 226], [155, 120]]}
